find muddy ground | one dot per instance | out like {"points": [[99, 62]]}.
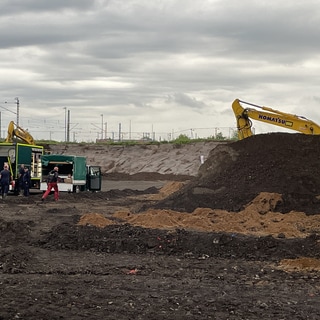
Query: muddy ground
{"points": [[177, 249]]}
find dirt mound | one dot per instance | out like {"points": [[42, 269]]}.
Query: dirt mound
{"points": [[137, 240], [236, 173], [257, 219], [163, 161], [94, 219], [168, 189], [300, 264]]}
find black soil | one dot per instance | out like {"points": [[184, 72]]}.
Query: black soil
{"points": [[236, 173], [52, 268]]}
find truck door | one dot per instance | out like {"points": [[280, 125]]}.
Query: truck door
{"points": [[94, 178]]}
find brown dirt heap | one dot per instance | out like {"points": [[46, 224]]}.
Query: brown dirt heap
{"points": [[256, 219]]}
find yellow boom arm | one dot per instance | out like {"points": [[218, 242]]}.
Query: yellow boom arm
{"points": [[18, 132], [271, 116]]}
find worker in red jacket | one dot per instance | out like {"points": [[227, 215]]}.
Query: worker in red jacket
{"points": [[52, 184]]}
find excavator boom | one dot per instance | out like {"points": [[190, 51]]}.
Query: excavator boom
{"points": [[16, 131], [271, 116]]}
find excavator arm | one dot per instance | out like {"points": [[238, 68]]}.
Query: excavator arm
{"points": [[16, 131], [271, 116]]}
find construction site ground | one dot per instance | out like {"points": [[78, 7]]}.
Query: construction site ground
{"points": [[237, 240]]}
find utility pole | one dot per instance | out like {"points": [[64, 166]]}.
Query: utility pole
{"points": [[101, 126], [18, 107], [68, 127], [65, 124], [105, 130]]}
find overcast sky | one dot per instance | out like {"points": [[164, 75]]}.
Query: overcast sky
{"points": [[162, 66]]}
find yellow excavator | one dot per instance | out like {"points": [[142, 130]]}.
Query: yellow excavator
{"points": [[16, 131], [265, 114]]}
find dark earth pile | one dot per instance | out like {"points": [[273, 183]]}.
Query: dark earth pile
{"points": [[236, 173]]}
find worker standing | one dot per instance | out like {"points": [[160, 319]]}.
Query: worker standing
{"points": [[52, 184], [5, 177], [20, 186], [26, 181]]}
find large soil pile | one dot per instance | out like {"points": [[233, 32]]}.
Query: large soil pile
{"points": [[141, 161], [235, 173]]}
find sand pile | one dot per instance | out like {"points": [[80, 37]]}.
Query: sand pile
{"points": [[94, 219], [258, 219]]}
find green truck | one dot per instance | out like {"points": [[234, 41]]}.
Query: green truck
{"points": [[14, 154], [74, 173]]}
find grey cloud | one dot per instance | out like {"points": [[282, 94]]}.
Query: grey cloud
{"points": [[185, 100], [10, 7], [136, 58]]}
